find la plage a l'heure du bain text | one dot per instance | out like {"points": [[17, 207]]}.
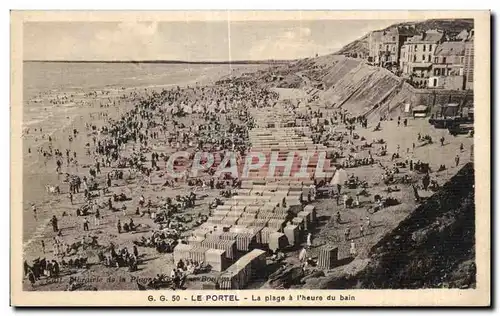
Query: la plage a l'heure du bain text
{"points": [[271, 298]]}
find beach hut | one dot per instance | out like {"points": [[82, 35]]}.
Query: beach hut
{"points": [[420, 111]]}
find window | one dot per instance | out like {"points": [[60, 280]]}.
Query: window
{"points": [[429, 58], [393, 48], [436, 60], [430, 47], [423, 57], [444, 60], [386, 48], [414, 58], [424, 48], [393, 38], [461, 60], [416, 48]]}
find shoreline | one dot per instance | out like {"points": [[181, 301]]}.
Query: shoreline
{"points": [[37, 172]]}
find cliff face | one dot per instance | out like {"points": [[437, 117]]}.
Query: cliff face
{"points": [[432, 248], [352, 84], [362, 88]]}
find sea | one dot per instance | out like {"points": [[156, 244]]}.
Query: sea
{"points": [[59, 78]]}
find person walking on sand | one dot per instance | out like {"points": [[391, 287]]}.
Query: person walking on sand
{"points": [[361, 230], [457, 160], [70, 195], [119, 226]]}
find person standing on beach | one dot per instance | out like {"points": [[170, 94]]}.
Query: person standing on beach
{"points": [[33, 208], [54, 224], [56, 246], [71, 195], [85, 224], [31, 278], [309, 240], [347, 233], [302, 255], [97, 218], [352, 250], [136, 252], [43, 246], [119, 226]]}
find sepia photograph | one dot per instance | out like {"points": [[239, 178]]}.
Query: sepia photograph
{"points": [[300, 159]]}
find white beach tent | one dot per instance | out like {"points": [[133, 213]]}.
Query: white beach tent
{"points": [[339, 177], [187, 109]]}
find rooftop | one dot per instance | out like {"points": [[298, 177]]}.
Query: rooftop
{"points": [[430, 36], [450, 49]]}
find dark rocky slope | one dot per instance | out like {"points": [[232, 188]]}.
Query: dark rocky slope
{"points": [[432, 248]]}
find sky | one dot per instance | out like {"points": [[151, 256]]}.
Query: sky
{"points": [[191, 40]]}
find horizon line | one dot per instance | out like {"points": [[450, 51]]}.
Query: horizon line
{"points": [[166, 61]]}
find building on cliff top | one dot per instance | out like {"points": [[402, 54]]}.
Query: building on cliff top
{"points": [[469, 61], [448, 67], [385, 46], [417, 56]]}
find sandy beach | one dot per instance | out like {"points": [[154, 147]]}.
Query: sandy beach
{"points": [[67, 116], [249, 102]]}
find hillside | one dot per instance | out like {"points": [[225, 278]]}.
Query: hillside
{"points": [[450, 26], [358, 46]]}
